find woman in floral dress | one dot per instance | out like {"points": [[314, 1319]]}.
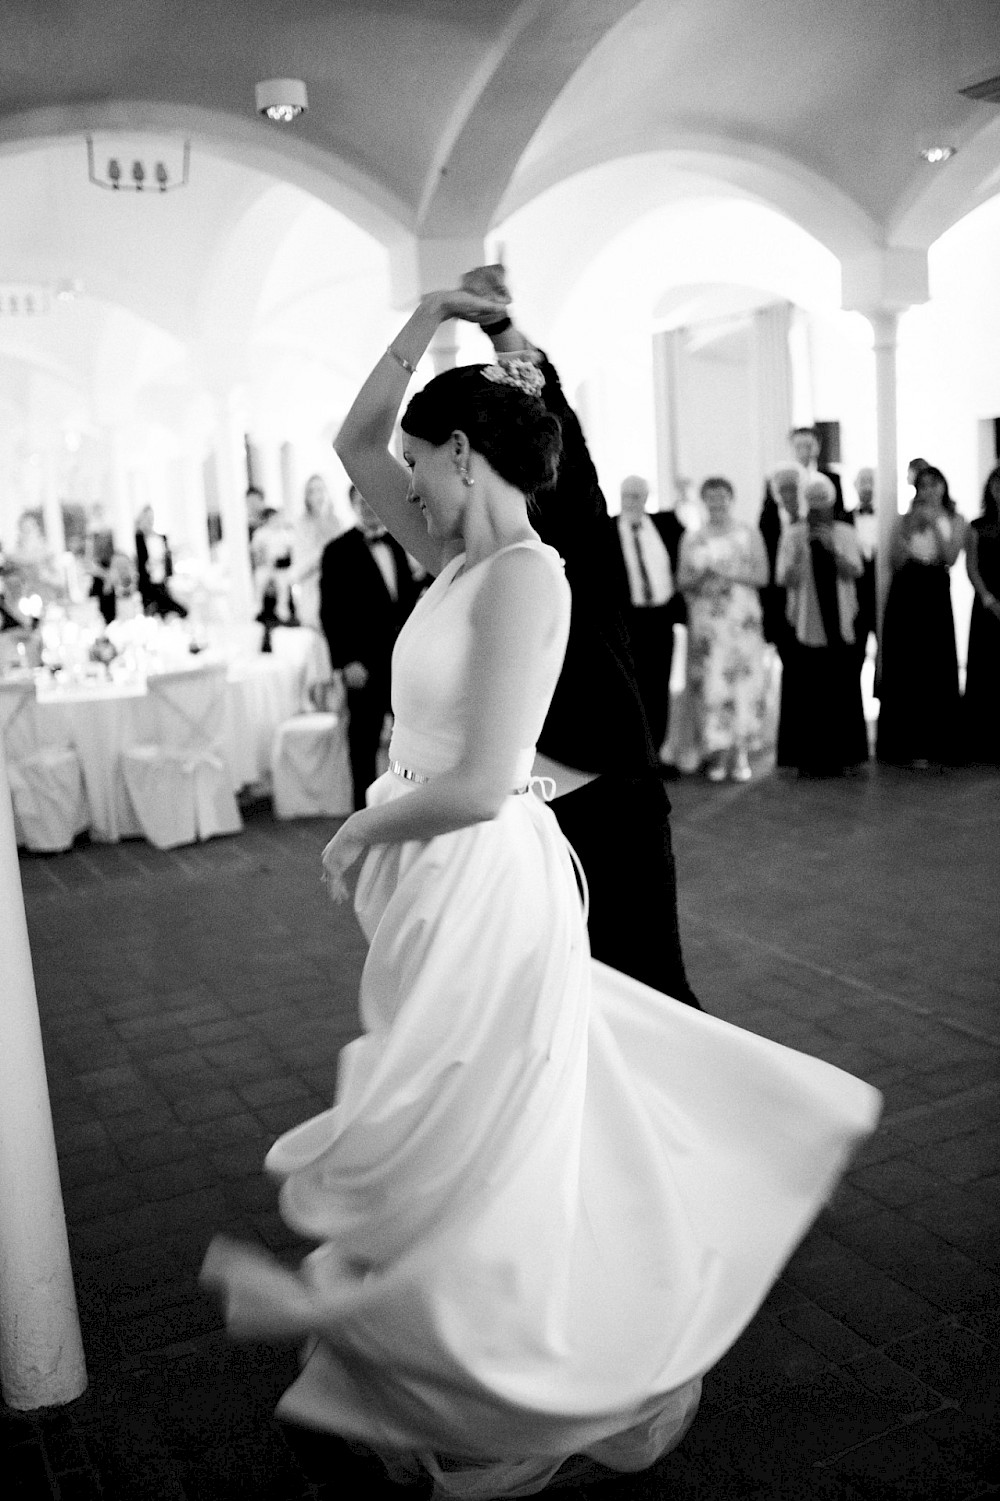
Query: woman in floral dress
{"points": [[720, 569]]}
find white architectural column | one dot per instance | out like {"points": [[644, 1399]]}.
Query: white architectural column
{"points": [[191, 485], [885, 325], [120, 509], [882, 284], [444, 347], [667, 356], [55, 534], [772, 381], [291, 489], [230, 461], [425, 265], [268, 451], [41, 1353]]}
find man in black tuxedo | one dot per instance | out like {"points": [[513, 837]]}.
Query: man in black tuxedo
{"points": [[366, 592], [649, 542]]}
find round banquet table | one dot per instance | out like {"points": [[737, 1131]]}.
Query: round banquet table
{"points": [[99, 720]]}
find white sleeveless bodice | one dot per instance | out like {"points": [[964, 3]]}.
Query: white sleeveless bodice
{"points": [[431, 688]]}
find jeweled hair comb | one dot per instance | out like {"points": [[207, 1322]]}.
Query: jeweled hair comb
{"points": [[515, 370]]}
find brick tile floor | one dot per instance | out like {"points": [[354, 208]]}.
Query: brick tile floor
{"points": [[193, 1004]]}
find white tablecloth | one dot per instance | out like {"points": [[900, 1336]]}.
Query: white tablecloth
{"points": [[100, 720]]}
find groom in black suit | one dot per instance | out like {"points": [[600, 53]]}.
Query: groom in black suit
{"points": [[612, 804], [366, 591]]}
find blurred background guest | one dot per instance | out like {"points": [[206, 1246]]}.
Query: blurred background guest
{"points": [[271, 558], [819, 563], [99, 551], [866, 527], [721, 568], [807, 448], [255, 509], [366, 593], [918, 669], [781, 507], [317, 526], [155, 567], [32, 569], [981, 704], [10, 619], [913, 468], [649, 545]]}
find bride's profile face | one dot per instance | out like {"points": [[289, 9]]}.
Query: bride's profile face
{"points": [[435, 486]]}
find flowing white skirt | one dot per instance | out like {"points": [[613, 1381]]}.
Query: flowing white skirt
{"points": [[547, 1198]]}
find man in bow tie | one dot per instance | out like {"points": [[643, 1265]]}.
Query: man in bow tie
{"points": [[367, 590]]}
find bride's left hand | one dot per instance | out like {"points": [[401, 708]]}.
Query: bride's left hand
{"points": [[338, 857]]}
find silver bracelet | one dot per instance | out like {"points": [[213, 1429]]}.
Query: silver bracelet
{"points": [[410, 369]]}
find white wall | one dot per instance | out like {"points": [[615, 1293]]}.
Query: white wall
{"points": [[598, 325]]}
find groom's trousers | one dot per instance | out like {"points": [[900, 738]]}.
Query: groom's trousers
{"points": [[619, 826]]}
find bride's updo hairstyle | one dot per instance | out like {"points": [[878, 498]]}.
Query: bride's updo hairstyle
{"points": [[509, 427]]}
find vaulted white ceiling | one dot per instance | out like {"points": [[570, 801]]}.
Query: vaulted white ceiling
{"points": [[431, 122], [444, 114]]}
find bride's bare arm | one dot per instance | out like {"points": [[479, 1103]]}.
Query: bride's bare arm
{"points": [[363, 441], [514, 616]]}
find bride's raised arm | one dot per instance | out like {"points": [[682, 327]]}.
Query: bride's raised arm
{"points": [[363, 441]]}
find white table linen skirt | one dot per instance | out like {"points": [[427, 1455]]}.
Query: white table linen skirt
{"points": [[99, 722]]}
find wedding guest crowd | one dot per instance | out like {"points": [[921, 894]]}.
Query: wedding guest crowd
{"points": [[805, 582]]}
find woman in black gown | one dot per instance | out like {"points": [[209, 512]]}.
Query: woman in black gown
{"points": [[819, 562], [981, 704], [918, 677]]}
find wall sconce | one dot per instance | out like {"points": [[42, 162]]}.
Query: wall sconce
{"points": [[22, 299], [122, 169]]}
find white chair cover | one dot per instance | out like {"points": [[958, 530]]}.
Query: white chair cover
{"points": [[46, 785], [308, 650], [181, 786], [311, 768]]}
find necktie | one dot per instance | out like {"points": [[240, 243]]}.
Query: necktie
{"points": [[647, 587]]}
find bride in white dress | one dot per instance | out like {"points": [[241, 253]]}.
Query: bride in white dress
{"points": [[547, 1199]]}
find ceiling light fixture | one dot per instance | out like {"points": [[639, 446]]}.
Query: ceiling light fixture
{"points": [[282, 99], [936, 154]]}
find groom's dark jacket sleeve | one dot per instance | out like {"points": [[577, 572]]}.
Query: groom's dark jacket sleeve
{"points": [[596, 721]]}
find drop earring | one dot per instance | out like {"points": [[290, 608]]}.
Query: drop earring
{"points": [[467, 479]]}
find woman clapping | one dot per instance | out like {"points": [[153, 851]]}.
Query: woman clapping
{"points": [[819, 563]]}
